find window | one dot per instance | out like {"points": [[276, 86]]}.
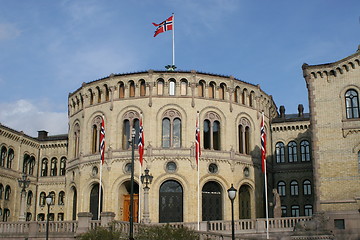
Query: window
{"points": [[29, 198], [211, 90], [10, 158], [76, 140], [201, 88], [1, 190], [132, 89], [42, 199], [183, 87], [127, 168], [171, 167], [41, 217], [339, 223], [142, 88], [305, 151], [98, 92], [91, 97], [292, 154], [60, 217], [3, 156], [307, 187], [281, 188], [294, 188], [236, 94], [308, 210], [131, 120], [26, 163], [31, 165], [212, 131], [172, 87], [160, 87], [171, 129], [52, 196], [244, 136], [295, 211], [352, 104], [7, 192], [53, 170], [222, 90], [213, 168], [44, 167], [61, 198], [283, 211], [107, 93], [280, 152], [62, 166], [28, 216], [121, 90], [95, 141], [6, 214]]}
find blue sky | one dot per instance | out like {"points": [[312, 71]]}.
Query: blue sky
{"points": [[49, 48]]}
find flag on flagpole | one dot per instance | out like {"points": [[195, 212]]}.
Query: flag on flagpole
{"points": [[141, 142], [197, 141], [102, 140], [166, 25], [263, 143]]}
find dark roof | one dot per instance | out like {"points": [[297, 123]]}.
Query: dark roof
{"points": [[291, 118]]}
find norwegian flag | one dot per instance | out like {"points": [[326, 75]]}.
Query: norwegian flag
{"points": [[197, 142], [102, 140], [263, 144], [141, 142], [164, 26]]}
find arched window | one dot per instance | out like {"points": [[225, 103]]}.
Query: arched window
{"points": [[29, 197], [52, 196], [211, 90], [308, 210], [3, 156], [95, 141], [280, 152], [6, 214], [243, 96], [307, 187], [183, 87], [42, 199], [292, 154], [26, 163], [294, 188], [44, 167], [130, 121], [1, 190], [295, 211], [201, 88], [61, 198], [211, 201], [283, 211], [98, 92], [107, 93], [172, 87], [160, 87], [132, 89], [244, 202], [352, 104], [222, 90], [91, 95], [244, 136], [142, 88], [305, 151], [62, 166], [281, 188], [211, 132], [10, 158], [31, 165], [121, 90], [76, 140], [251, 99], [170, 202], [236, 95], [7, 192], [171, 129], [53, 169]]}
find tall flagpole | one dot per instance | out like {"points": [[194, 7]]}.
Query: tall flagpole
{"points": [[102, 158], [197, 156], [173, 40], [99, 206], [267, 208], [263, 166]]}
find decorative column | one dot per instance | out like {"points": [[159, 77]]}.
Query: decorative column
{"points": [[23, 184], [146, 180]]}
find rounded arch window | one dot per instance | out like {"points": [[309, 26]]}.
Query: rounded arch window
{"points": [[171, 167], [213, 168]]}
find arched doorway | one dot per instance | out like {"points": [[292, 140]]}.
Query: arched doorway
{"points": [[124, 193], [244, 202], [211, 201], [74, 203], [171, 202], [94, 201]]}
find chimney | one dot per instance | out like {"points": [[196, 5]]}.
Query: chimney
{"points": [[282, 111], [42, 135]]}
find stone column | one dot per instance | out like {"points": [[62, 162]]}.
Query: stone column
{"points": [[83, 222], [22, 216], [146, 213], [106, 218]]}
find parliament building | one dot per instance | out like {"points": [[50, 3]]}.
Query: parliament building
{"points": [[313, 158]]}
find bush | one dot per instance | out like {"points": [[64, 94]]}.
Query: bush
{"points": [[101, 233], [165, 232]]}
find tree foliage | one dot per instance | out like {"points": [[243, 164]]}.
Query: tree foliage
{"points": [[165, 232]]}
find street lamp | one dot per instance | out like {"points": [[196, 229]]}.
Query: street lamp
{"points": [[146, 179], [133, 132], [232, 195], [48, 203], [23, 184]]}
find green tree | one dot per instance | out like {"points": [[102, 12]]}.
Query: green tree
{"points": [[102, 233], [165, 232]]}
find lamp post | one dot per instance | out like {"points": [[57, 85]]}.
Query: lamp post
{"points": [[48, 203], [232, 195], [146, 179], [133, 132], [23, 184]]}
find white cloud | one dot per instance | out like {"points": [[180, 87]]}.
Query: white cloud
{"points": [[8, 31], [25, 116]]}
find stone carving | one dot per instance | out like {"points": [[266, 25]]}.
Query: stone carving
{"points": [[318, 224], [277, 204]]}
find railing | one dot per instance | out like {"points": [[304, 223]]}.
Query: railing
{"points": [[15, 227], [58, 226]]}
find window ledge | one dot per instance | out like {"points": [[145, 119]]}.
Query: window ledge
{"points": [[350, 126]]}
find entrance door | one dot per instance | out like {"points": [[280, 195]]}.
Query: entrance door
{"points": [[94, 201], [211, 202], [171, 202], [245, 206], [126, 213]]}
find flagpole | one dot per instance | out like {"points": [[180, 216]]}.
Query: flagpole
{"points": [[267, 208], [263, 165], [139, 197], [102, 159], [100, 190], [173, 41], [197, 153]]}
